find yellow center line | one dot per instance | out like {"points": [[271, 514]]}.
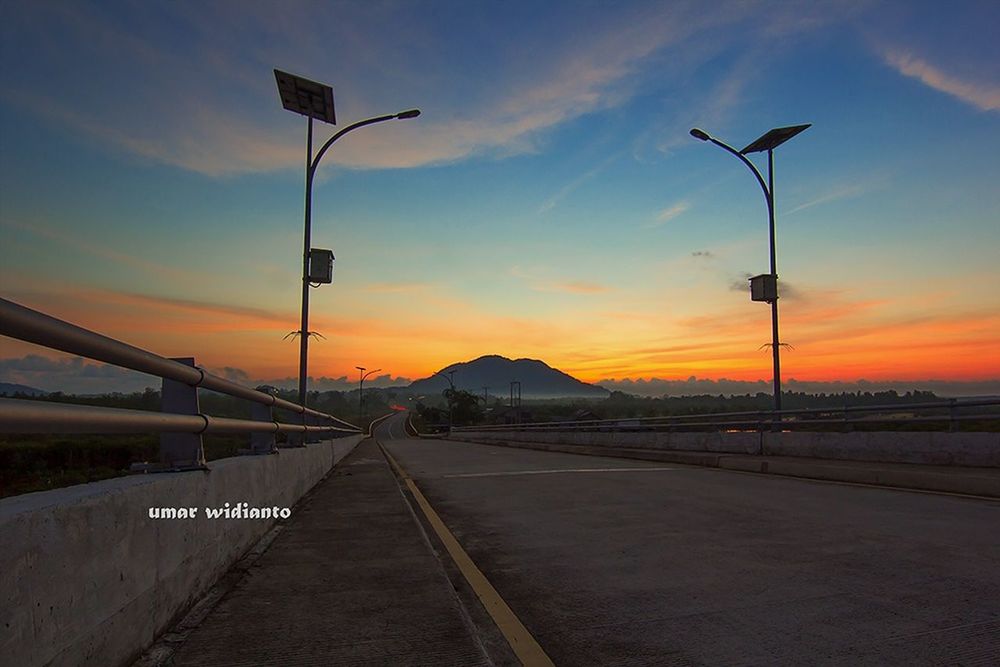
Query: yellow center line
{"points": [[521, 642], [554, 471]]}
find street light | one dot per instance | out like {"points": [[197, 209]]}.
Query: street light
{"points": [[764, 288], [315, 100], [361, 388], [450, 377]]}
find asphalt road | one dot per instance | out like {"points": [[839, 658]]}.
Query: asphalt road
{"points": [[622, 562]]}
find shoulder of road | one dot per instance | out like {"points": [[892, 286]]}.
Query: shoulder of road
{"points": [[984, 482]]}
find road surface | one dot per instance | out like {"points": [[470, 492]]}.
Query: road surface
{"points": [[622, 562]]}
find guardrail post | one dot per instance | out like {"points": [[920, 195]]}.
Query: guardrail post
{"points": [[262, 443], [312, 436], [181, 451]]}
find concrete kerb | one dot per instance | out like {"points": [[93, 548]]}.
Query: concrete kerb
{"points": [[966, 481], [377, 420], [412, 430], [941, 448], [87, 578], [975, 481]]}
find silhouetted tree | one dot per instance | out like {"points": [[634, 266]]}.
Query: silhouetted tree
{"points": [[466, 408]]}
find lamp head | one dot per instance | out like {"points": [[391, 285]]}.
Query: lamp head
{"points": [[700, 134], [409, 113]]}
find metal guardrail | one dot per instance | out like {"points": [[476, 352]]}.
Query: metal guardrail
{"points": [[181, 423], [761, 420]]}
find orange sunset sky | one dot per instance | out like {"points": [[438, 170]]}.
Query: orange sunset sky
{"points": [[548, 203]]}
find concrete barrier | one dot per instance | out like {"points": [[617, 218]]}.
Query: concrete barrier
{"points": [[723, 443], [925, 447], [88, 578], [717, 442]]}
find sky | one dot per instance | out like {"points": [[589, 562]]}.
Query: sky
{"points": [[548, 203]]}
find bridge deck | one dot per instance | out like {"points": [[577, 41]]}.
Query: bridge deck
{"points": [[611, 561]]}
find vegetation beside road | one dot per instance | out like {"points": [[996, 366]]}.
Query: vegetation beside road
{"points": [[431, 413], [38, 462], [41, 462]]}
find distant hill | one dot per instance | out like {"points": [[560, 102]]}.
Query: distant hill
{"points": [[9, 389], [538, 379]]}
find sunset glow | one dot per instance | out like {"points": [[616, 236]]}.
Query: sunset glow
{"points": [[548, 203]]}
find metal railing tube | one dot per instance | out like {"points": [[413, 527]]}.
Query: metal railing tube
{"points": [[220, 425], [24, 416], [28, 416], [29, 325]]}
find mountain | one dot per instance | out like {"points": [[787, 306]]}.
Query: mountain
{"points": [[538, 379], [9, 389]]}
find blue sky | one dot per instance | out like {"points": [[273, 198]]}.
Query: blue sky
{"points": [[547, 203]]}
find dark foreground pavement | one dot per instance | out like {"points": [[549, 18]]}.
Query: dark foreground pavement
{"points": [[624, 562], [350, 580], [608, 561]]}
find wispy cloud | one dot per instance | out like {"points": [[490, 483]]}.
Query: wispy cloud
{"points": [[574, 287], [395, 288], [195, 307], [667, 214], [709, 108], [844, 191], [980, 94], [99, 250], [232, 123], [570, 187], [540, 284], [712, 98]]}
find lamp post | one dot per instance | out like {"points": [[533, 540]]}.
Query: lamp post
{"points": [[450, 377], [766, 287], [315, 100], [361, 399]]}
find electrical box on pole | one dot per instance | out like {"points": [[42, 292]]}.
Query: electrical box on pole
{"points": [[320, 266], [764, 288]]}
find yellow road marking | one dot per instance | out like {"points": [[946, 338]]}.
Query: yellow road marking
{"points": [[554, 471], [523, 644]]}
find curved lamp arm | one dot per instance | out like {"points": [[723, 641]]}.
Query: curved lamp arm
{"points": [[412, 113], [704, 136]]}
